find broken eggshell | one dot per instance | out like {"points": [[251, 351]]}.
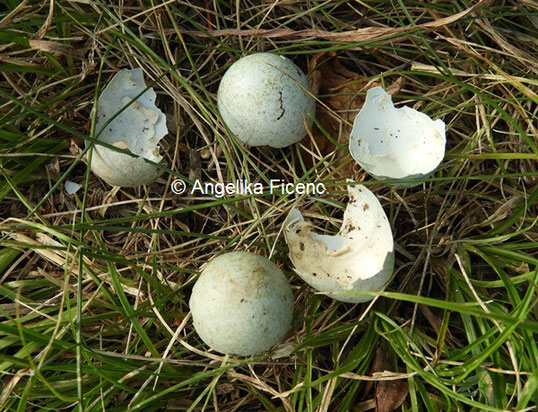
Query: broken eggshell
{"points": [[396, 143], [137, 128], [359, 258]]}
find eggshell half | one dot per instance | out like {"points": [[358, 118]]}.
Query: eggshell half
{"points": [[138, 128], [359, 257], [396, 143]]}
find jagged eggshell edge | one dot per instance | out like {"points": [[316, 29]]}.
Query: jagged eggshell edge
{"points": [[391, 143], [138, 128], [359, 257]]}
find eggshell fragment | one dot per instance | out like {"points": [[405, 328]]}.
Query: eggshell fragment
{"points": [[138, 128], [396, 143], [241, 304], [359, 258], [264, 100], [71, 187]]}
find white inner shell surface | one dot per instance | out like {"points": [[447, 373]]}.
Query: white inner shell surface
{"points": [[262, 100], [359, 257], [395, 143], [138, 128]]}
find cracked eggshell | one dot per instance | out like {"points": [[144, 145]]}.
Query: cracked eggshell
{"points": [[359, 257], [138, 128], [241, 304], [263, 100], [396, 143]]}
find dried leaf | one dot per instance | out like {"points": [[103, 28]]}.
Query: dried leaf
{"points": [[54, 48], [388, 394], [337, 81], [337, 90], [340, 93], [195, 169]]}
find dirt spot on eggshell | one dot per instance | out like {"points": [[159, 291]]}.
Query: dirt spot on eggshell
{"points": [[120, 144]]}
